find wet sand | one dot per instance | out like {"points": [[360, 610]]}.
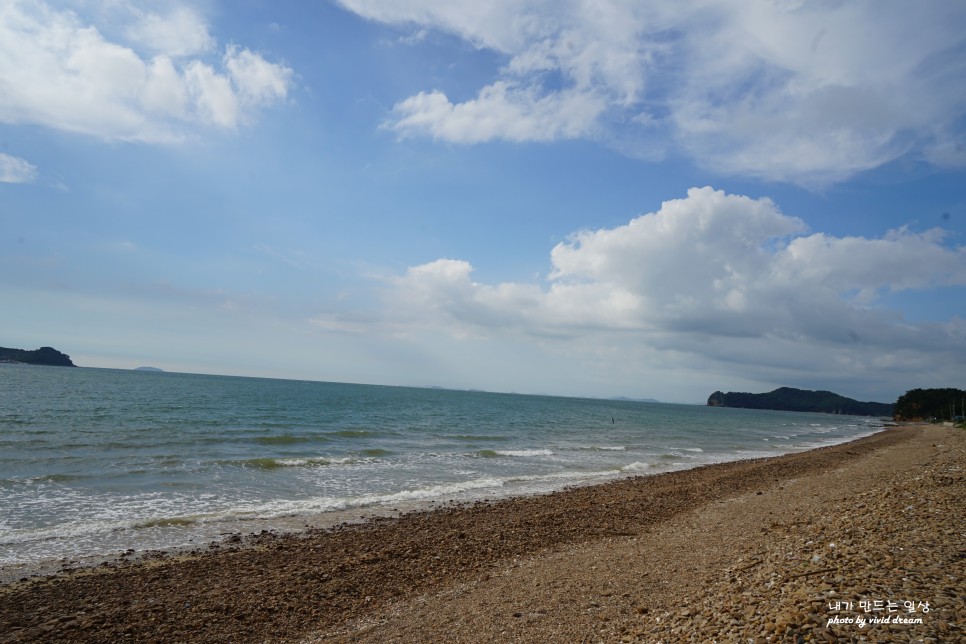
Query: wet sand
{"points": [[734, 551]]}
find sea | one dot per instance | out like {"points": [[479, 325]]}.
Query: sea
{"points": [[99, 462]]}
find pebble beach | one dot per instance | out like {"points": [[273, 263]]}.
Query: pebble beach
{"points": [[863, 541]]}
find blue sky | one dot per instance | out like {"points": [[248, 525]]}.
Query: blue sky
{"points": [[643, 199]]}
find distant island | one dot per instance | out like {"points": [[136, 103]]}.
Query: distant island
{"points": [[790, 399], [42, 356], [154, 369]]}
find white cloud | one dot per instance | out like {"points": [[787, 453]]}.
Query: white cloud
{"points": [[211, 94], [16, 170], [721, 282], [256, 80], [500, 110], [182, 32], [805, 92], [59, 70], [165, 91]]}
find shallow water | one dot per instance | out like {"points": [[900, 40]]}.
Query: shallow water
{"points": [[96, 461]]}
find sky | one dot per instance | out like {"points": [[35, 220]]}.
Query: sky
{"points": [[609, 198]]}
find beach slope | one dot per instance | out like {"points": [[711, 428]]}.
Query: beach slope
{"points": [[775, 549]]}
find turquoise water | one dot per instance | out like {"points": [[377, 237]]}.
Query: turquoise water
{"points": [[96, 461]]}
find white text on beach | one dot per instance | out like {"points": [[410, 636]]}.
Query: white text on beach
{"points": [[861, 622]]}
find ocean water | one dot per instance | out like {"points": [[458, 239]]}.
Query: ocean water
{"points": [[97, 461]]}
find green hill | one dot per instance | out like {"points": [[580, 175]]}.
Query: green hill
{"points": [[790, 399]]}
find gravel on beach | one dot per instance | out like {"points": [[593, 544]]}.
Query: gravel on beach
{"points": [[804, 547]]}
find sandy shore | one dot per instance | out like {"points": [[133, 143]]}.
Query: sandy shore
{"points": [[780, 549]]}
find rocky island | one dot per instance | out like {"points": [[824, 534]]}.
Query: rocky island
{"points": [[42, 356], [790, 399]]}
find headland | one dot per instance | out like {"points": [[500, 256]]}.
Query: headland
{"points": [[47, 356]]}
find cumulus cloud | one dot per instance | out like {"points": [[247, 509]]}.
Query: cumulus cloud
{"points": [[711, 278], [182, 32], [500, 110], [256, 80], [810, 93], [16, 170], [59, 70]]}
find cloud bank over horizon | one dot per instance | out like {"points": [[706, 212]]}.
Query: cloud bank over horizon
{"points": [[712, 279], [808, 93]]}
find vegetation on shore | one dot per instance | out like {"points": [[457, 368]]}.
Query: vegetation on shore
{"points": [[932, 404], [42, 356]]}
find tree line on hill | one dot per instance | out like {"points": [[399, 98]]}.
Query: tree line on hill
{"points": [[931, 404]]}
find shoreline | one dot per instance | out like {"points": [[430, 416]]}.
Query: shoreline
{"points": [[353, 581], [231, 531], [199, 534]]}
